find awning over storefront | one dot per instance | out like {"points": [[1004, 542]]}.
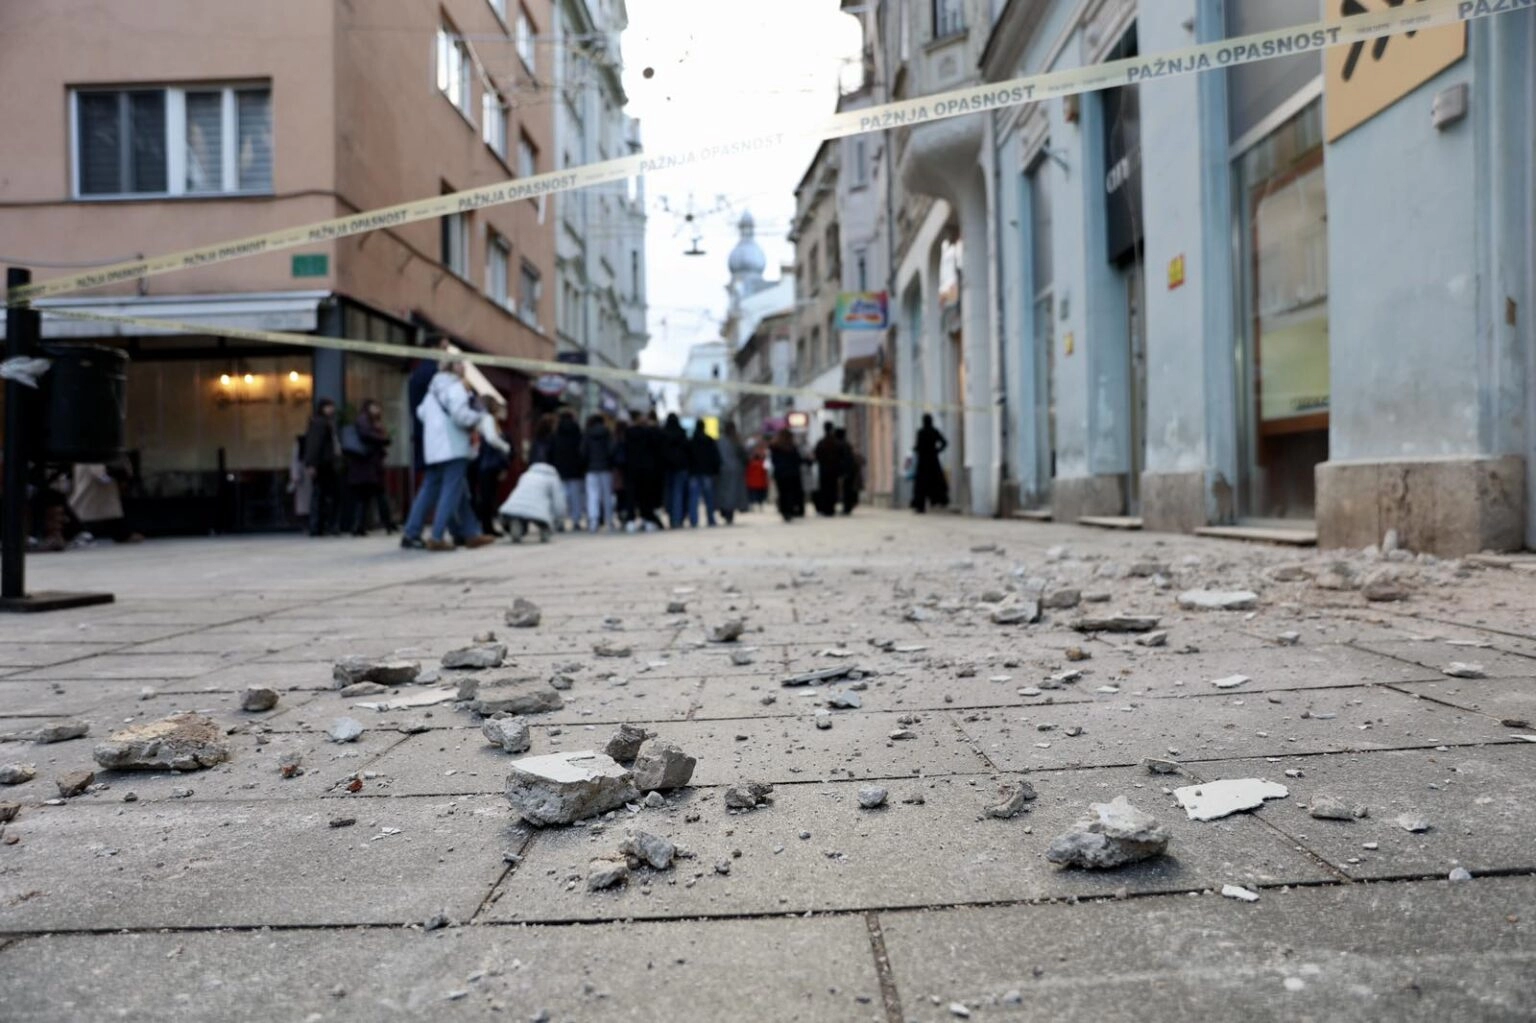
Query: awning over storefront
{"points": [[293, 311]]}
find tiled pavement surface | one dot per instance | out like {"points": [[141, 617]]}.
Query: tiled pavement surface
{"points": [[241, 901]]}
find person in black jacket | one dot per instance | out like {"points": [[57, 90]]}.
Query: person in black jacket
{"points": [[645, 468], [929, 486], [829, 472], [788, 465], [365, 468], [853, 472], [703, 467], [675, 462], [322, 463], [597, 452], [565, 456]]}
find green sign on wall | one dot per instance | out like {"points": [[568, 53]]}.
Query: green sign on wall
{"points": [[311, 264]]}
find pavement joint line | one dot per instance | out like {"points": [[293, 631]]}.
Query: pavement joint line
{"points": [[974, 745], [1439, 701], [490, 895], [1474, 628], [889, 995], [862, 912]]}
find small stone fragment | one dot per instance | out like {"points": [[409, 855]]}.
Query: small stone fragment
{"points": [[625, 743], [1288, 638], [728, 632], [1061, 598], [652, 850], [1151, 639], [1331, 808], [386, 671], [606, 873], [1457, 669], [61, 731], [1012, 802], [1016, 611], [560, 788], [1117, 833], [1384, 585], [823, 719], [662, 766], [748, 795], [8, 812], [677, 607], [654, 800], [1077, 653], [1231, 681], [871, 796], [345, 730], [1155, 765], [1218, 600], [1460, 874], [1209, 801], [810, 678], [523, 614], [484, 655], [740, 658], [290, 765], [514, 696], [1233, 891], [1117, 623], [1413, 822], [16, 774], [258, 698], [959, 1011], [74, 783], [608, 648], [722, 866], [363, 689], [182, 742], [511, 733], [845, 700]]}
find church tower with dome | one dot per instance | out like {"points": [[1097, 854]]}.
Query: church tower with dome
{"points": [[747, 262], [750, 295]]}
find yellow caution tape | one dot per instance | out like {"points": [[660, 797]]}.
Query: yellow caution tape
{"points": [[904, 113], [385, 349]]}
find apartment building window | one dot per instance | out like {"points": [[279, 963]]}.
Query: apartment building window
{"points": [[634, 274], [815, 362], [525, 34], [948, 18], [498, 257], [454, 66], [493, 122], [194, 141], [834, 249], [860, 163], [814, 267], [500, 7], [527, 157], [530, 288], [834, 341], [861, 268], [455, 240]]}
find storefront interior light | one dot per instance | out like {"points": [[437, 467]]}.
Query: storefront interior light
{"points": [[293, 376], [250, 379], [224, 379]]}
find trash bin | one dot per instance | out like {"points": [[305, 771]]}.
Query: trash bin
{"points": [[84, 403]]}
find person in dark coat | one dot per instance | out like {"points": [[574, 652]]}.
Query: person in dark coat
{"points": [[788, 464], [623, 493], [322, 463], [365, 449], [853, 472], [541, 445], [675, 464], [703, 469], [416, 387], [566, 457], [597, 453], [829, 472], [929, 485], [645, 469], [731, 485]]}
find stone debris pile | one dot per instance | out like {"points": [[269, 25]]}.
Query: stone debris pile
{"points": [[1115, 834], [183, 742]]}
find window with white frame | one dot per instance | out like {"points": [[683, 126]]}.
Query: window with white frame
{"points": [[500, 7], [493, 121], [861, 268], [455, 240], [530, 287], [498, 257], [860, 163], [201, 140], [527, 157], [525, 35], [454, 66]]}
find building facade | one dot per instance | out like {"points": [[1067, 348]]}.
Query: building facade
{"points": [[817, 237], [600, 236], [290, 112]]}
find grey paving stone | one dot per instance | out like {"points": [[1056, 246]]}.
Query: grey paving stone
{"points": [[818, 969], [1435, 655], [1477, 800], [134, 666], [1501, 698], [1423, 951], [59, 698], [187, 864], [902, 855], [38, 655], [1216, 727]]}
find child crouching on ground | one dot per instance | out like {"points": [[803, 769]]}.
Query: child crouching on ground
{"points": [[537, 500]]}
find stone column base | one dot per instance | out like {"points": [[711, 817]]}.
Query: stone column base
{"points": [[1074, 497], [1177, 502], [1447, 507]]}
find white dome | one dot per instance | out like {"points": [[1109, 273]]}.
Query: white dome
{"points": [[747, 257]]}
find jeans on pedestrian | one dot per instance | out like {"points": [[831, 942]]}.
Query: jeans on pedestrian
{"points": [[575, 499], [701, 487], [442, 492], [675, 499], [600, 502]]}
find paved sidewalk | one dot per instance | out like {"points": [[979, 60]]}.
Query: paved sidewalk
{"points": [[247, 898]]}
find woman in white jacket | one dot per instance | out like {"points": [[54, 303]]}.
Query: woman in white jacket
{"points": [[538, 499], [447, 420]]}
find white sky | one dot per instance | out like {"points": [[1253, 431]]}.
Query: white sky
{"points": [[723, 68]]}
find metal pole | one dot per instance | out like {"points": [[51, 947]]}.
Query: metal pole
{"points": [[20, 338]]}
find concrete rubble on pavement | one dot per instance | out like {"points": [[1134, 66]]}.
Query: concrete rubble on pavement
{"points": [[562, 788], [386, 671], [258, 698], [508, 732], [182, 742], [1115, 834], [1213, 800], [662, 766], [523, 614], [474, 658], [17, 774], [624, 746]]}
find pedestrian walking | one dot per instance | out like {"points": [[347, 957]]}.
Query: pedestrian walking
{"points": [[853, 472], [645, 470], [929, 485], [703, 470], [565, 456], [675, 463], [538, 500], [623, 492], [96, 499], [757, 475], [493, 461], [322, 464], [829, 472], [788, 478], [365, 443], [448, 420], [731, 484], [597, 453], [299, 484]]}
